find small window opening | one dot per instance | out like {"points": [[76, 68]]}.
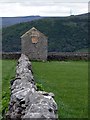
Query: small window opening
{"points": [[34, 39]]}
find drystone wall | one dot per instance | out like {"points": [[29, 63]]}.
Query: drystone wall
{"points": [[60, 56], [26, 102], [11, 55]]}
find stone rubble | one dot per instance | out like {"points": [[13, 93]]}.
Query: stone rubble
{"points": [[26, 101]]}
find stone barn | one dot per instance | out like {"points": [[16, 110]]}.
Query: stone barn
{"points": [[34, 45]]}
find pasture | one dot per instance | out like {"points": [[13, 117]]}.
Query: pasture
{"points": [[67, 80]]}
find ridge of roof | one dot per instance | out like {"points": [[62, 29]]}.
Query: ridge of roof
{"points": [[33, 28]]}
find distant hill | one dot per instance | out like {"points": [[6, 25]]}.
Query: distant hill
{"points": [[8, 21], [65, 34]]}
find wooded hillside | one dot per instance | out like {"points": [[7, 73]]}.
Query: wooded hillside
{"points": [[65, 34]]}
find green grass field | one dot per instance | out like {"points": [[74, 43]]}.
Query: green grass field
{"points": [[0, 89], [67, 80], [8, 73]]}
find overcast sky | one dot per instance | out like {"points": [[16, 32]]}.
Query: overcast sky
{"points": [[10, 8]]}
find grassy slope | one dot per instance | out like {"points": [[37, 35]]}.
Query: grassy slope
{"points": [[67, 80]]}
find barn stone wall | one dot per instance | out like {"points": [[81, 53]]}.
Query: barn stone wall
{"points": [[26, 101], [35, 51]]}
